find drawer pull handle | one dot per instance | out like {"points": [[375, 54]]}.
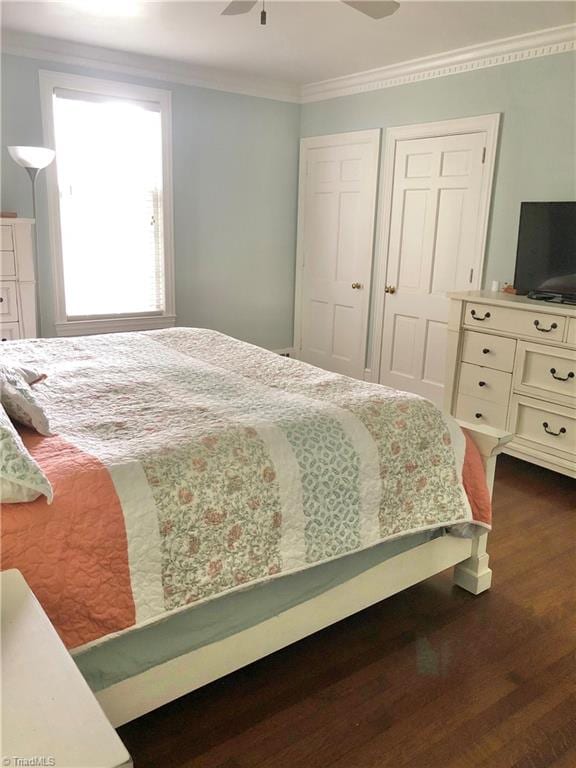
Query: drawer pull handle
{"points": [[550, 432], [545, 330], [485, 351], [481, 383], [561, 378], [1, 299], [473, 313], [4, 339], [478, 415]]}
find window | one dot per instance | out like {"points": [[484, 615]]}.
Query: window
{"points": [[111, 212]]}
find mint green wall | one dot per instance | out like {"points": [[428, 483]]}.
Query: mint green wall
{"points": [[235, 175], [235, 191], [536, 157]]}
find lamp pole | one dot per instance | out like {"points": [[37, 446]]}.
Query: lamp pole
{"points": [[33, 173]]}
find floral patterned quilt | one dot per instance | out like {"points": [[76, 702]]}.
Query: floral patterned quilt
{"points": [[187, 464]]}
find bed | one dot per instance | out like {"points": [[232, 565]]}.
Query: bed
{"points": [[214, 502]]}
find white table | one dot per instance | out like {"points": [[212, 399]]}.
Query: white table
{"points": [[48, 711]]}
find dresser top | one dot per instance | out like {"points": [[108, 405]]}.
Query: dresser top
{"points": [[514, 302], [15, 220]]}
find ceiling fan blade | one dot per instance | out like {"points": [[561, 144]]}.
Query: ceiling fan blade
{"points": [[236, 7], [376, 9]]}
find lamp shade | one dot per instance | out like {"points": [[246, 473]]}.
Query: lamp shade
{"points": [[32, 157]]}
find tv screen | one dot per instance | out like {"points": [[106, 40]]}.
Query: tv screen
{"points": [[546, 257]]}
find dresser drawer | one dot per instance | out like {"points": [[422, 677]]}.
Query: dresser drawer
{"points": [[6, 240], [548, 427], [490, 351], [485, 383], [546, 371], [10, 331], [572, 331], [478, 411], [516, 322], [8, 303], [7, 264]]}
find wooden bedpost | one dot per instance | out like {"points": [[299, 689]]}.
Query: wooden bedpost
{"points": [[473, 574]]}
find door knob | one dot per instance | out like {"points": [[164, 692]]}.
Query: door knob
{"points": [[356, 285], [390, 289]]}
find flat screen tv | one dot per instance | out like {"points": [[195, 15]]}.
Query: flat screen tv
{"points": [[546, 257]]}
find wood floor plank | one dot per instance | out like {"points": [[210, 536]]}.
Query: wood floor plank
{"points": [[431, 678], [494, 733]]}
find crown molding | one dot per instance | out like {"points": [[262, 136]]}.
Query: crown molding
{"points": [[508, 50], [92, 57]]}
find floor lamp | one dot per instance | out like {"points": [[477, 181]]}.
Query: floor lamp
{"points": [[33, 159]]}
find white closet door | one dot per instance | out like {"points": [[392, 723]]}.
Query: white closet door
{"points": [[338, 181], [436, 220]]}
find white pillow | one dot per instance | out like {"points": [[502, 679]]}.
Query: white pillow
{"points": [[21, 479], [18, 399]]}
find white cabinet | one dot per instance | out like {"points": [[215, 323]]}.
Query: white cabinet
{"points": [[512, 365], [49, 716], [17, 280]]}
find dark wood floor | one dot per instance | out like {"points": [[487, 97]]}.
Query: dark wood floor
{"points": [[433, 677]]}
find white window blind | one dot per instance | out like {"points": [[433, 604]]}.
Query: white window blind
{"points": [[109, 165]]}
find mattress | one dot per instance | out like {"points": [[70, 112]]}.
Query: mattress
{"points": [[131, 653], [188, 465]]}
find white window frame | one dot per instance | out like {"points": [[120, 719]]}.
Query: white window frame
{"points": [[131, 322]]}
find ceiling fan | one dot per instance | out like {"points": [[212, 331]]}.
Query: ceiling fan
{"points": [[376, 9]]}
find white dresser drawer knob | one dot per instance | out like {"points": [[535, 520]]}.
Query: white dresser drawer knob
{"points": [[485, 351], [570, 375], [561, 431], [478, 415], [545, 330], [482, 384], [477, 317]]}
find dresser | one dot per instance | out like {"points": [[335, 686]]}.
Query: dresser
{"points": [[511, 364], [17, 280], [50, 717]]}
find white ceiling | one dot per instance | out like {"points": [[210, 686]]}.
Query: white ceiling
{"points": [[304, 42]]}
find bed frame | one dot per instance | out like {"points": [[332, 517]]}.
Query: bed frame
{"points": [[131, 698]]}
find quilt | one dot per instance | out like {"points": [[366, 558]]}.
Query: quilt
{"points": [[187, 464]]}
